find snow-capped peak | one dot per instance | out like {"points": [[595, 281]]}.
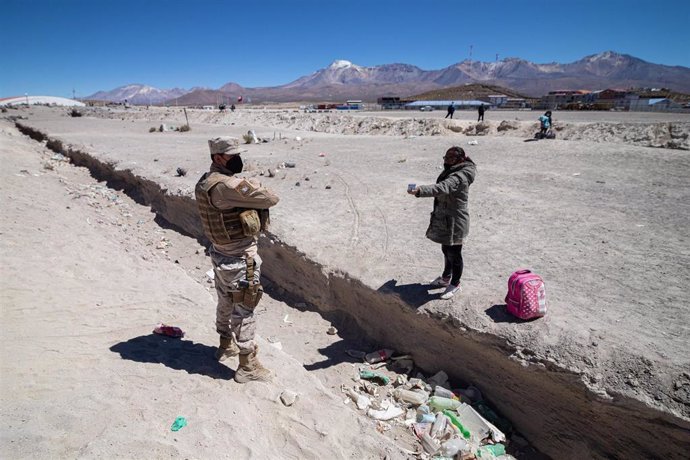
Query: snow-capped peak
{"points": [[340, 64]]}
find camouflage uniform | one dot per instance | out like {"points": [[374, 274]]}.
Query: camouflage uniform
{"points": [[221, 198]]}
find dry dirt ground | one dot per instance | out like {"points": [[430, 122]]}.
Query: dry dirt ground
{"points": [[601, 213]]}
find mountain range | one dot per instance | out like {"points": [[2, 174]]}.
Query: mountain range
{"points": [[344, 80]]}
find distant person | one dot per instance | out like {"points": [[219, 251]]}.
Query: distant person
{"points": [[233, 210], [451, 110], [222, 107], [481, 112], [450, 219], [232, 108], [545, 122]]}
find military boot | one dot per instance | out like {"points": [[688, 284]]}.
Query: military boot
{"points": [[227, 349], [251, 369]]}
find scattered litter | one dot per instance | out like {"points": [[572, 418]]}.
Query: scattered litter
{"points": [[322, 154], [170, 331], [378, 356], [288, 397], [402, 160], [297, 138], [332, 331], [181, 172], [290, 164], [285, 320], [179, 423], [474, 142], [360, 400], [211, 274], [59, 157], [389, 413], [271, 172], [328, 187], [576, 174], [374, 376]]}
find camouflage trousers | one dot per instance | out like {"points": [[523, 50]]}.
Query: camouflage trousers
{"points": [[232, 317]]}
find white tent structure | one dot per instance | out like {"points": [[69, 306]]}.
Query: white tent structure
{"points": [[43, 100]]}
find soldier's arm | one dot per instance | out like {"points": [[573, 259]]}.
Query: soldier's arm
{"points": [[243, 194]]}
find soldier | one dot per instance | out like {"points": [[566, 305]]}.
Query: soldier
{"points": [[233, 211]]}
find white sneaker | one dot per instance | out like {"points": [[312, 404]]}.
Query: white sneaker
{"points": [[440, 282], [451, 290]]}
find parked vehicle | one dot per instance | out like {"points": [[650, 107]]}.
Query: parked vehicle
{"points": [[426, 108]]}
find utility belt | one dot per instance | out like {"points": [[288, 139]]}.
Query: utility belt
{"points": [[250, 291], [253, 221]]}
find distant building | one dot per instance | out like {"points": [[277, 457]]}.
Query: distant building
{"points": [[653, 105], [564, 97], [392, 102], [41, 100], [497, 100]]}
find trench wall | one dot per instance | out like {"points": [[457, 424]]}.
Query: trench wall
{"points": [[549, 405]]}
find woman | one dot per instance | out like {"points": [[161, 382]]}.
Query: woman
{"points": [[450, 219]]}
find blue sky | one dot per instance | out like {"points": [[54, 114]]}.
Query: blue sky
{"points": [[52, 47]]}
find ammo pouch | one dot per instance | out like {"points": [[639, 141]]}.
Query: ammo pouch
{"points": [[251, 225], [250, 291]]}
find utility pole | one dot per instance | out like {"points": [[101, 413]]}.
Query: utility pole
{"points": [[496, 57], [471, 52], [74, 94]]}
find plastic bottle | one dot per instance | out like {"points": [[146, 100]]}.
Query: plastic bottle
{"points": [[439, 425], [411, 397], [378, 356], [424, 414], [444, 393], [439, 403], [430, 445], [456, 421], [451, 447]]}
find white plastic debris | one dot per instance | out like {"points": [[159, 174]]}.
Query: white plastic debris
{"points": [[211, 274], [360, 400], [474, 142], [387, 414]]}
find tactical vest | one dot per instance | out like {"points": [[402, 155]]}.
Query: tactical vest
{"points": [[220, 226]]}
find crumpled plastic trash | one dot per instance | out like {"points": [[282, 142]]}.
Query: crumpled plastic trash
{"points": [[178, 424], [170, 331], [375, 376], [473, 143], [387, 414]]}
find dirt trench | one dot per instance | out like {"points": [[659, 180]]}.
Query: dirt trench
{"points": [[549, 405]]}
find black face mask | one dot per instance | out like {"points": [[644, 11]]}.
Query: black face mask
{"points": [[234, 164]]}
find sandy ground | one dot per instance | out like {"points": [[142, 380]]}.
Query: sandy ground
{"points": [[86, 275], [605, 223]]}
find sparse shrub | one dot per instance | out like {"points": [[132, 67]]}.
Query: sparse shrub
{"points": [[184, 128], [181, 171], [152, 129], [75, 113], [4, 110]]}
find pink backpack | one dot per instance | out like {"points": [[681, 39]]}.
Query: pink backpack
{"points": [[526, 296]]}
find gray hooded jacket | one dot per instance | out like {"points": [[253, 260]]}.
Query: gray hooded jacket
{"points": [[450, 219]]}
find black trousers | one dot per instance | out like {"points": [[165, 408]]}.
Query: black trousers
{"points": [[452, 256]]}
